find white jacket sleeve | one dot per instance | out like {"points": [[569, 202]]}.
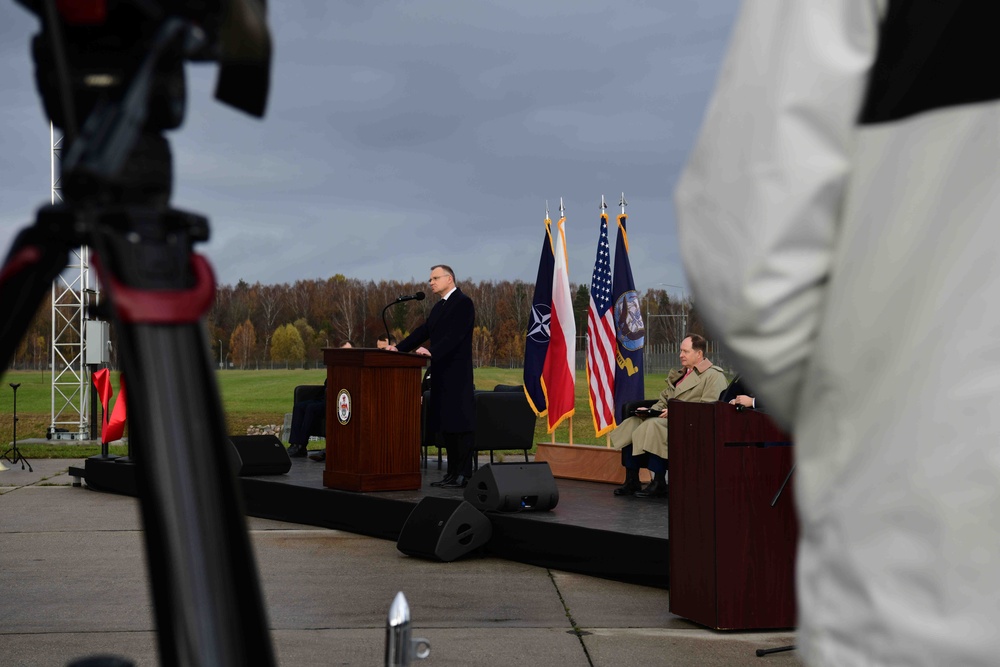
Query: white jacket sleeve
{"points": [[758, 203]]}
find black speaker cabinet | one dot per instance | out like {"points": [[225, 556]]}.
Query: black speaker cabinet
{"points": [[260, 455], [443, 529], [513, 487]]}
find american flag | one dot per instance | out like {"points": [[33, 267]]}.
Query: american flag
{"points": [[601, 338]]}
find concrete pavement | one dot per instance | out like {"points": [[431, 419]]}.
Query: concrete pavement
{"points": [[73, 583]]}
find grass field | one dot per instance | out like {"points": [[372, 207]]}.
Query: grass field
{"points": [[252, 398]]}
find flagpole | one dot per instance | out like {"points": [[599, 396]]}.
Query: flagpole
{"points": [[561, 209], [562, 214], [604, 211], [623, 204]]}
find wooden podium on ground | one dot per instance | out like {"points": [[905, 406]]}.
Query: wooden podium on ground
{"points": [[732, 555], [372, 419]]}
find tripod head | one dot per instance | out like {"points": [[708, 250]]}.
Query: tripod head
{"points": [[15, 385], [111, 77]]}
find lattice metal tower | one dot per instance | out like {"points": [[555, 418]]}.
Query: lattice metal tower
{"points": [[71, 295]]}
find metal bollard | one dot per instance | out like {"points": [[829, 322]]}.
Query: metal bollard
{"points": [[400, 648]]}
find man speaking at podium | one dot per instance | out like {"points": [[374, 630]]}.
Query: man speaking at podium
{"points": [[452, 410]]}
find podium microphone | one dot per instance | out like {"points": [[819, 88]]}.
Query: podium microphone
{"points": [[419, 296]]}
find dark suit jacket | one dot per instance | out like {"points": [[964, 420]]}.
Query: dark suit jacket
{"points": [[736, 388], [449, 328]]}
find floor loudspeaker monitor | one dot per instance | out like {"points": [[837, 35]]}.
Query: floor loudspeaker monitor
{"points": [[259, 455], [443, 529], [513, 487]]}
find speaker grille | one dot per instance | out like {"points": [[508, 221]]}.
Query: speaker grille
{"points": [[426, 534], [513, 487]]}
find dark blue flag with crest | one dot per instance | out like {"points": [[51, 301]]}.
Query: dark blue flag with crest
{"points": [[630, 333], [536, 344]]}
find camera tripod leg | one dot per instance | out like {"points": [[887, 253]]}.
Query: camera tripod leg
{"points": [[198, 550], [178, 442]]}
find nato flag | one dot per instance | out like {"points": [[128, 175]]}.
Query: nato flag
{"points": [[536, 344]]}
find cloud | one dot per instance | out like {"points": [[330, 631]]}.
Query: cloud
{"points": [[403, 134]]}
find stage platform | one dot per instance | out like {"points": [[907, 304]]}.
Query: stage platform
{"points": [[590, 531]]}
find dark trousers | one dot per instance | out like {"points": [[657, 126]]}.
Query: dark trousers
{"points": [[656, 464], [306, 418], [459, 448]]}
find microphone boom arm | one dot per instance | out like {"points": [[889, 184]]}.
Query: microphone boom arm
{"points": [[387, 338], [419, 296]]}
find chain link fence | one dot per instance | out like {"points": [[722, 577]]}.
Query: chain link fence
{"points": [[659, 359]]}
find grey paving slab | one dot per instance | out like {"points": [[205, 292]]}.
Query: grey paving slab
{"points": [[57, 649], [608, 647], [73, 582], [599, 603], [257, 523], [331, 579], [43, 471], [42, 508], [450, 647], [625, 620]]}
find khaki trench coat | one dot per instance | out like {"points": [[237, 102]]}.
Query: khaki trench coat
{"points": [[703, 385]]}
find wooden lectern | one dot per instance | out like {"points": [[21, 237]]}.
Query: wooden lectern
{"points": [[372, 419], [732, 555]]}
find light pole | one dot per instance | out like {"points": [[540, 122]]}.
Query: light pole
{"points": [[683, 315], [220, 351], [650, 317]]}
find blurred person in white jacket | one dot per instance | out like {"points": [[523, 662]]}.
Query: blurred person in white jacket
{"points": [[839, 220]]}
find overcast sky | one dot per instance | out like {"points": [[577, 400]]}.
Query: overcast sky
{"points": [[403, 134]]}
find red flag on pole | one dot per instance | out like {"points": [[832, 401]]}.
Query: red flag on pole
{"points": [[559, 371], [114, 421], [116, 425]]}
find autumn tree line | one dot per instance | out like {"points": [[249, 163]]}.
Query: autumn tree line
{"points": [[253, 326]]}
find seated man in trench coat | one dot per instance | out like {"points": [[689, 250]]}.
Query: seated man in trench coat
{"points": [[643, 439]]}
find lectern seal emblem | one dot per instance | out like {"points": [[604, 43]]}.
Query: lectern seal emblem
{"points": [[344, 406]]}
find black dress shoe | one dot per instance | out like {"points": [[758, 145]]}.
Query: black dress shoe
{"points": [[631, 485], [628, 488], [319, 457], [655, 489], [297, 451], [459, 482], [444, 480]]}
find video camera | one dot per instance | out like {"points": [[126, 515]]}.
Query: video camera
{"points": [[112, 72]]}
